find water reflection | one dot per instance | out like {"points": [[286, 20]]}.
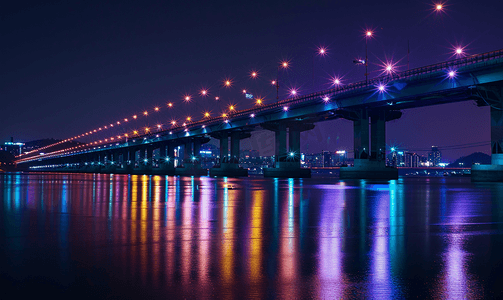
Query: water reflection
{"points": [[333, 281], [311, 238]]}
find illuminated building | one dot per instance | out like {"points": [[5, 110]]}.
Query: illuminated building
{"points": [[327, 158], [434, 156]]}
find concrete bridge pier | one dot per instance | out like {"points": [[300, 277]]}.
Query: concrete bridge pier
{"points": [[145, 164], [96, 163], [109, 165], [166, 160], [370, 162], [192, 159], [287, 158], [86, 160], [494, 171], [128, 160], [229, 166]]}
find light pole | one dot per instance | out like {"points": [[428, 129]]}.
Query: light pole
{"points": [[321, 51], [284, 65], [368, 35]]}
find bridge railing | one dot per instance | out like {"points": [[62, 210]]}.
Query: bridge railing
{"points": [[351, 87], [488, 57]]}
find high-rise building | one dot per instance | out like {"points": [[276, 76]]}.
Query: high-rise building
{"points": [[412, 160], [327, 158], [339, 158], [435, 156]]}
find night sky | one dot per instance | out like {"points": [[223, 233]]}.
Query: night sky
{"points": [[72, 66]]}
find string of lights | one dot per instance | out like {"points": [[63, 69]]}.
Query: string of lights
{"points": [[387, 67]]}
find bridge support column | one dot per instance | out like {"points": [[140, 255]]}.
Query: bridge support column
{"points": [[129, 159], [108, 164], [141, 158], [287, 158], [224, 147], [371, 166], [229, 167], [378, 136], [191, 158], [494, 171], [97, 163], [166, 159], [146, 161]]}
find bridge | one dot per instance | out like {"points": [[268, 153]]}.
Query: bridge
{"points": [[368, 104]]}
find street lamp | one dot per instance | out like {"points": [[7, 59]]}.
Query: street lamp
{"points": [[321, 51], [368, 34], [284, 64]]}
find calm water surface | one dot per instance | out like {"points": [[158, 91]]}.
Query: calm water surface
{"points": [[123, 236]]}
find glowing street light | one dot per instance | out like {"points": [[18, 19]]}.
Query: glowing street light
{"points": [[186, 98], [368, 35], [439, 7], [336, 81], [293, 92], [254, 74], [204, 92], [207, 114], [320, 51], [258, 101], [170, 104], [227, 83], [144, 113], [283, 65], [459, 51]]}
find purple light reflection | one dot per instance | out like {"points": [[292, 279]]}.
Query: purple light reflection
{"points": [[332, 280]]}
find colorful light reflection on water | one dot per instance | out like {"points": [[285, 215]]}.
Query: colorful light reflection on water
{"points": [[154, 236]]}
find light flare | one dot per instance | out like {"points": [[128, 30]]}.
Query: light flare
{"points": [[322, 51]]}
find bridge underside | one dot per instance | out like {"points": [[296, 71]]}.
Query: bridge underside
{"points": [[478, 78]]}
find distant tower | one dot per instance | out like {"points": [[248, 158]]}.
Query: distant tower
{"points": [[327, 158], [435, 156]]}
